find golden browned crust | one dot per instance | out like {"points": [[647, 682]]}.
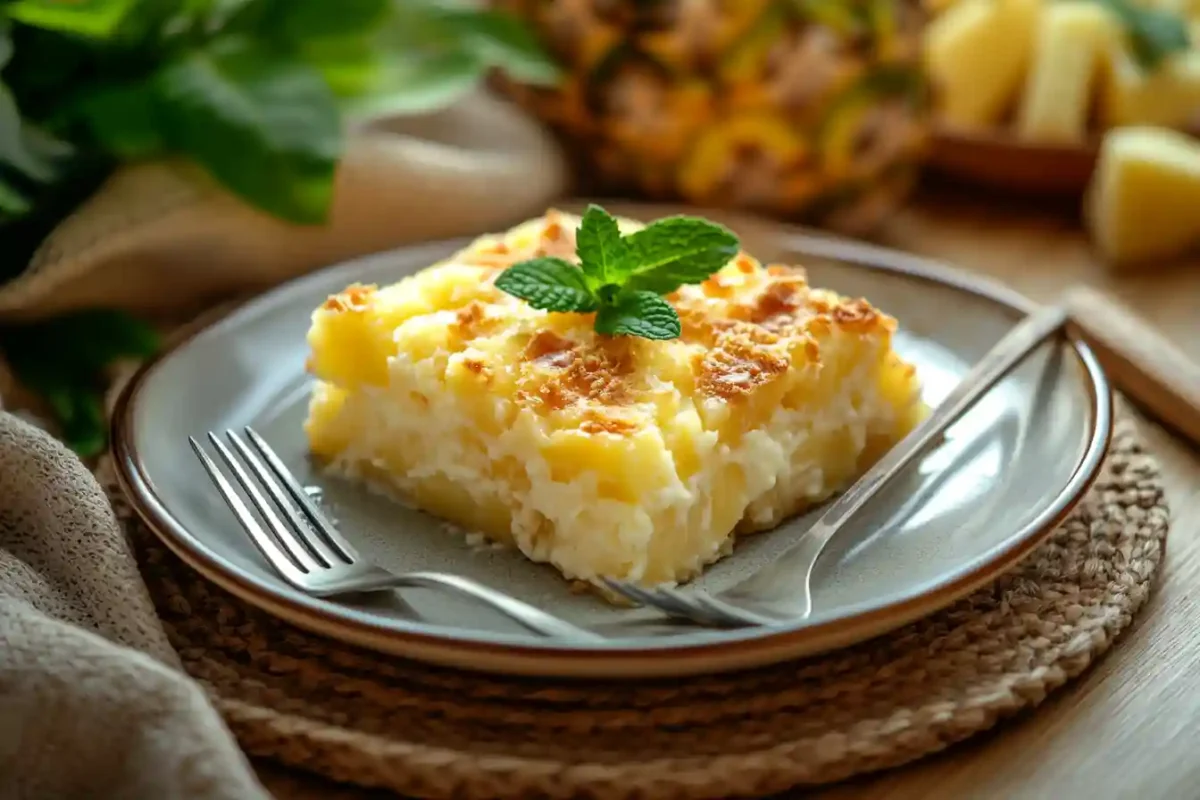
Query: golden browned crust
{"points": [[355, 297], [473, 320], [857, 314], [479, 368], [745, 326], [556, 239], [550, 349], [595, 372], [595, 422], [744, 358]]}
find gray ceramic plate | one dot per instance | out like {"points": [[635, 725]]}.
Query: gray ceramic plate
{"points": [[1006, 473]]}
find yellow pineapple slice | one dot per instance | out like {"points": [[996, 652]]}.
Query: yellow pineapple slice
{"points": [[1072, 41], [1143, 200], [1169, 96], [975, 55]]}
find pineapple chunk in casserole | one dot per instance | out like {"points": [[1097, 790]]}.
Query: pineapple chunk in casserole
{"points": [[605, 456]]}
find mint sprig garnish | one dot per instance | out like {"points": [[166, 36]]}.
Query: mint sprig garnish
{"points": [[623, 277], [642, 314], [550, 284]]}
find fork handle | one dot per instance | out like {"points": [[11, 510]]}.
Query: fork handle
{"points": [[987, 372], [530, 617]]}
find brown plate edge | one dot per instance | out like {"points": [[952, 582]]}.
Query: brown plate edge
{"points": [[546, 660]]}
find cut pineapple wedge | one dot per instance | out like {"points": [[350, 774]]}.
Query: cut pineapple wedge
{"points": [[1142, 202], [975, 55], [1073, 40], [605, 456], [1169, 96]]}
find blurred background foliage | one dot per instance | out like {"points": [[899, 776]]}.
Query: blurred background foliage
{"points": [[258, 93]]}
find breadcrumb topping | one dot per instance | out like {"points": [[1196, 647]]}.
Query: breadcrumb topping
{"points": [[745, 358], [355, 297], [742, 329], [595, 372]]}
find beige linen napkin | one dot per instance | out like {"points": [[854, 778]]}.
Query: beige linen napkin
{"points": [[92, 702]]}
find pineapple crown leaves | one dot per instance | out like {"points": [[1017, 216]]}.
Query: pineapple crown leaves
{"points": [[623, 277]]}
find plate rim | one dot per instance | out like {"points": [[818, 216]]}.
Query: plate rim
{"points": [[496, 653]]}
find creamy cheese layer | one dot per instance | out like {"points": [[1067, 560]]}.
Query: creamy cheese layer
{"points": [[617, 457]]}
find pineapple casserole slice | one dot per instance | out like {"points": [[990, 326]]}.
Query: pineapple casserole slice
{"points": [[605, 456]]}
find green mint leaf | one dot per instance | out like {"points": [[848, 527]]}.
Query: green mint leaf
{"points": [[643, 314], [45, 146], [85, 341], [623, 278], [123, 119], [676, 250], [305, 20], [63, 359], [349, 64], [105, 335], [91, 18], [16, 148], [264, 124], [412, 83], [1154, 34], [12, 202], [503, 41], [80, 413], [6, 44], [550, 284], [601, 250]]}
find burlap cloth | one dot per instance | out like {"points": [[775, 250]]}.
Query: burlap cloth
{"points": [[124, 675], [159, 238]]}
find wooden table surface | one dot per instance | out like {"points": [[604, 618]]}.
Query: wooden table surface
{"points": [[1129, 727]]}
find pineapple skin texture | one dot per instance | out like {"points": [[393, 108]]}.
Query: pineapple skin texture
{"points": [[1141, 204], [615, 457], [820, 114]]}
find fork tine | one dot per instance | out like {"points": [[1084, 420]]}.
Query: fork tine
{"points": [[689, 606], [697, 607], [650, 598], [626, 590], [283, 534], [323, 526], [264, 541], [731, 615], [303, 530]]}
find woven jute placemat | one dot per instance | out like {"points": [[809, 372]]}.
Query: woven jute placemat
{"points": [[376, 721]]}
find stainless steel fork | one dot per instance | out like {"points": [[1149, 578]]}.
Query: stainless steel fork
{"points": [[310, 554], [781, 592]]}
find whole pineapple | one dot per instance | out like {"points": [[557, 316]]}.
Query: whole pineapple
{"points": [[813, 109]]}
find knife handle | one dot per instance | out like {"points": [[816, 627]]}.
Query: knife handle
{"points": [[1139, 360]]}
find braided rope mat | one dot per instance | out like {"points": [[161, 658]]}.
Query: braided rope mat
{"points": [[376, 721]]}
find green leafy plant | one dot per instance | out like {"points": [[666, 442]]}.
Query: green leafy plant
{"points": [[257, 93], [254, 91], [1154, 33], [622, 278], [66, 360]]}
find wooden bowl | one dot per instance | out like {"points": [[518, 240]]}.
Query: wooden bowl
{"points": [[999, 161]]}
